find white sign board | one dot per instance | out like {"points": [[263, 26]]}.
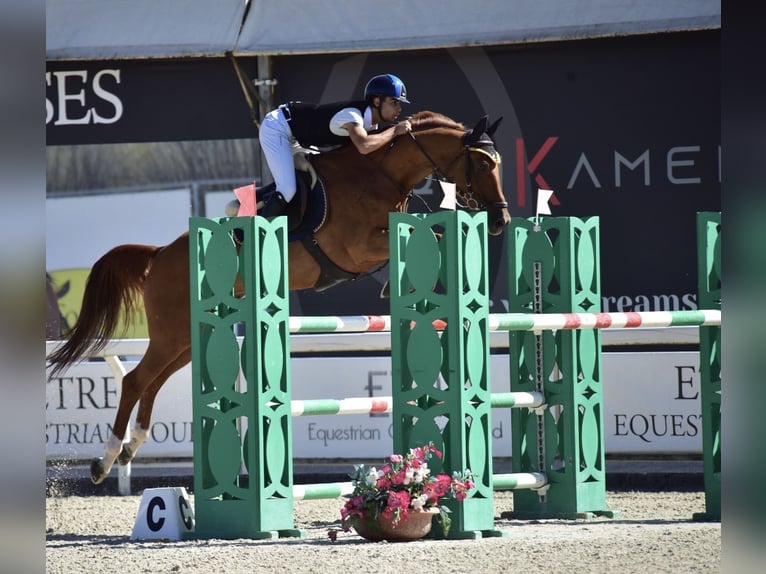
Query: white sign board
{"points": [[651, 406], [652, 403], [82, 403], [79, 230]]}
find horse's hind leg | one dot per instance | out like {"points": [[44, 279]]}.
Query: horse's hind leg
{"points": [[145, 406], [133, 386]]}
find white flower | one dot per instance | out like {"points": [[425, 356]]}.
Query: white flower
{"points": [[417, 503], [421, 474], [372, 477]]}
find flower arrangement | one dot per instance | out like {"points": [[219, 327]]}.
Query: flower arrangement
{"points": [[402, 485]]}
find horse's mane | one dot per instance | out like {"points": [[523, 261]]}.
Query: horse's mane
{"points": [[427, 120]]}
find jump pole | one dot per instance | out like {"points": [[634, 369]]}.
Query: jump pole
{"points": [[519, 321], [370, 405]]}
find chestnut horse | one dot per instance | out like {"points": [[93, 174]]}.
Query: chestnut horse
{"points": [[361, 191]]}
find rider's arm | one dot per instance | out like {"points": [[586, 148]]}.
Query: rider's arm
{"points": [[349, 122], [367, 143]]}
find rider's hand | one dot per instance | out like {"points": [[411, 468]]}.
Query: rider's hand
{"points": [[402, 128]]}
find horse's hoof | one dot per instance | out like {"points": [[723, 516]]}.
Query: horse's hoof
{"points": [[97, 471], [126, 455]]}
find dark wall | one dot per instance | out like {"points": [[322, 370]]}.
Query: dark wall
{"points": [[146, 101], [627, 129]]}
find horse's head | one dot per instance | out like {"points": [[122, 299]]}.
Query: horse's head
{"points": [[482, 175], [469, 160]]}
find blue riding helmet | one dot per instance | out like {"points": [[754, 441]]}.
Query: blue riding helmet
{"points": [[386, 85]]}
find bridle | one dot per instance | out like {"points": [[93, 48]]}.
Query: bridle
{"points": [[483, 145]]}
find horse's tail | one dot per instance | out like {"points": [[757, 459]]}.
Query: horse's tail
{"points": [[114, 283]]}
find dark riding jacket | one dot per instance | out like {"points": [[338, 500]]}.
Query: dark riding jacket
{"points": [[310, 123]]}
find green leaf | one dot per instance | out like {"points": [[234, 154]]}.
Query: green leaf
{"points": [[444, 520]]}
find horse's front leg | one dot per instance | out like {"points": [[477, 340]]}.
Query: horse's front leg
{"points": [[138, 436], [140, 430], [100, 467]]}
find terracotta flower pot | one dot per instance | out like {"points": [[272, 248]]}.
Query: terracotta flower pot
{"points": [[414, 527]]}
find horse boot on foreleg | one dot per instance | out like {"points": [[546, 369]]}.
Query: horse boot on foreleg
{"points": [[138, 436], [100, 467], [143, 421]]}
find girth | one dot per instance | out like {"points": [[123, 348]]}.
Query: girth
{"points": [[330, 274]]}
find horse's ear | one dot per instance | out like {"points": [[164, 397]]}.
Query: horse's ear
{"points": [[493, 128], [478, 130]]}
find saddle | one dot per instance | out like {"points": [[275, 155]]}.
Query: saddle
{"points": [[307, 211]]}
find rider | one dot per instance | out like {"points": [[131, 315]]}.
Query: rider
{"points": [[299, 123]]}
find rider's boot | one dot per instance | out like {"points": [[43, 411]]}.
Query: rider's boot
{"points": [[275, 205]]}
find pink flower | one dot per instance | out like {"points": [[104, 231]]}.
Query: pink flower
{"points": [[383, 483], [399, 499], [419, 453], [399, 477], [443, 484]]}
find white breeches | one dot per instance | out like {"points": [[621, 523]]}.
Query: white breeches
{"points": [[277, 143]]}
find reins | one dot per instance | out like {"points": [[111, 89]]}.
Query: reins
{"points": [[468, 197]]}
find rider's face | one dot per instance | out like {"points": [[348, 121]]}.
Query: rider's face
{"points": [[390, 109]]}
